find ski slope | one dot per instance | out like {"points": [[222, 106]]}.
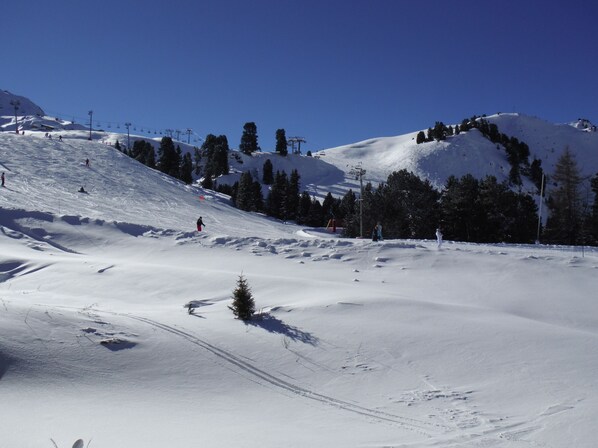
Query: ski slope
{"points": [[398, 343]]}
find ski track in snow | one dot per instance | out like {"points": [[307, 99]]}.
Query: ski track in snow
{"points": [[457, 423], [428, 429]]}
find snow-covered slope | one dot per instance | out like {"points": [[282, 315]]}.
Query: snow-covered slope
{"points": [[25, 106], [469, 152], [397, 343]]}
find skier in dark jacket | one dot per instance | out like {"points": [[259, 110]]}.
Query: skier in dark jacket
{"points": [[375, 233], [2, 178], [199, 224]]}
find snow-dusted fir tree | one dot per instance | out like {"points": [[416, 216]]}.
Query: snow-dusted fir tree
{"points": [[243, 305]]}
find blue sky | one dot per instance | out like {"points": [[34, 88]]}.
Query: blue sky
{"points": [[333, 72]]}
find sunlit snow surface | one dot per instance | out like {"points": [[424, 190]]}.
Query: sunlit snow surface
{"points": [[358, 344]]}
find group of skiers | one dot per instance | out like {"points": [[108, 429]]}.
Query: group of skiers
{"points": [[48, 135], [377, 234]]}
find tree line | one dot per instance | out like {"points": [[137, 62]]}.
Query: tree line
{"points": [[517, 151], [467, 209]]}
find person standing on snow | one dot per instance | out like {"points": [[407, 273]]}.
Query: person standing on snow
{"points": [[379, 231], [439, 237], [375, 233], [2, 178], [199, 224]]}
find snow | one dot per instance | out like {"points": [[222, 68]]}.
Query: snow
{"points": [[395, 343]]}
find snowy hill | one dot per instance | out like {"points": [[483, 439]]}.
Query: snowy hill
{"points": [[397, 343], [469, 152], [331, 170], [25, 106], [29, 116]]}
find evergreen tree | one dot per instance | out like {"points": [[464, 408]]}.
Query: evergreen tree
{"points": [[244, 196], [328, 207], [215, 151], [243, 306], [460, 209], [492, 200], [315, 217], [249, 139], [221, 156], [275, 203], [136, 150], [421, 137], [536, 173], [346, 213], [593, 219], [176, 170], [292, 196], [268, 175], [303, 208], [564, 223], [187, 169], [207, 181], [258, 197], [197, 160], [281, 142], [117, 145], [167, 157], [150, 155], [440, 131]]}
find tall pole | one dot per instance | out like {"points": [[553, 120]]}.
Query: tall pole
{"points": [[540, 211], [361, 202], [358, 171], [189, 131], [16, 105], [128, 125], [90, 122]]}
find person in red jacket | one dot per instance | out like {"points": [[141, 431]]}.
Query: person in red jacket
{"points": [[199, 224]]}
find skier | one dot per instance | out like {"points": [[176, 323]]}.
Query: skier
{"points": [[87, 163], [199, 224], [379, 231], [439, 237], [375, 233], [2, 178]]}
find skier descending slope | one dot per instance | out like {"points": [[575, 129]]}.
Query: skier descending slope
{"points": [[199, 224]]}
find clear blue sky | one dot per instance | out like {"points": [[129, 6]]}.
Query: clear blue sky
{"points": [[333, 72]]}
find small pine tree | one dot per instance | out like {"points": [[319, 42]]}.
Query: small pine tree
{"points": [[249, 139], [281, 142], [243, 306], [268, 175]]}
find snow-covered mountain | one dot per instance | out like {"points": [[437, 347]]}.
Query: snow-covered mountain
{"points": [[332, 170], [470, 152], [396, 343]]}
